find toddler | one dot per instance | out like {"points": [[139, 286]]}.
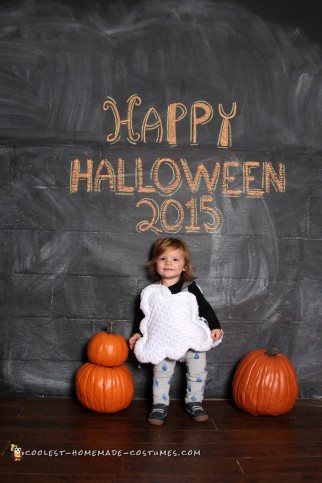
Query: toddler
{"points": [[178, 324]]}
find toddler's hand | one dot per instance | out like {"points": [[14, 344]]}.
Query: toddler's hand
{"points": [[133, 340], [216, 334]]}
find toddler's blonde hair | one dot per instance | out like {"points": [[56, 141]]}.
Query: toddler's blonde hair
{"points": [[163, 244]]}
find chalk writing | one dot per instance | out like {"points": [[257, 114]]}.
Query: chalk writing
{"points": [[201, 112], [166, 176], [224, 139], [254, 173], [214, 225]]}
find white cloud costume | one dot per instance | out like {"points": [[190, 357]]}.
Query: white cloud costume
{"points": [[171, 325]]}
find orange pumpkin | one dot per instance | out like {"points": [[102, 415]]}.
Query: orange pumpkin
{"points": [[104, 389], [105, 384], [107, 348], [265, 383]]}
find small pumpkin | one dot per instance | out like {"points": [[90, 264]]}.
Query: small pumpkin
{"points": [[265, 383], [107, 348], [104, 389], [105, 384]]}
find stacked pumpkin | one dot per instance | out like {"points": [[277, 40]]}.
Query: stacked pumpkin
{"points": [[265, 383], [105, 384]]}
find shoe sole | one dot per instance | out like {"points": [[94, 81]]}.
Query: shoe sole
{"points": [[200, 419], [156, 422]]}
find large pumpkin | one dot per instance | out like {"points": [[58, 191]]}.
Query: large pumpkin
{"points": [[107, 348], [104, 389], [105, 384], [265, 383]]}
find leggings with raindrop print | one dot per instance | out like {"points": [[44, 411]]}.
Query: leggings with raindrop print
{"points": [[196, 378]]}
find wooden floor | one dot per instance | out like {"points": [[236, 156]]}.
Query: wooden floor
{"points": [[61, 441]]}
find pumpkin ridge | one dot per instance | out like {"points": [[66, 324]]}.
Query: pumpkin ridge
{"points": [[269, 398], [251, 391], [260, 374]]}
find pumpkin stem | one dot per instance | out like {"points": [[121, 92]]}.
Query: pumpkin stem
{"points": [[111, 326], [272, 352]]}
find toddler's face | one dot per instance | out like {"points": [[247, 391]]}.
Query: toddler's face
{"points": [[170, 265]]}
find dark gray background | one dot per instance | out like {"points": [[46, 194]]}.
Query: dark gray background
{"points": [[72, 262]]}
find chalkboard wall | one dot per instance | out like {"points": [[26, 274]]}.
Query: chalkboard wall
{"points": [[121, 122]]}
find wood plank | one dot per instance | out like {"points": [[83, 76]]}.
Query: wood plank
{"points": [[72, 408], [252, 436], [67, 436], [270, 423], [65, 466], [71, 478], [252, 466], [295, 477], [63, 478], [180, 479], [200, 467]]}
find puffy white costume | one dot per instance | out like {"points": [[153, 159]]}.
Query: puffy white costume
{"points": [[171, 325]]}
